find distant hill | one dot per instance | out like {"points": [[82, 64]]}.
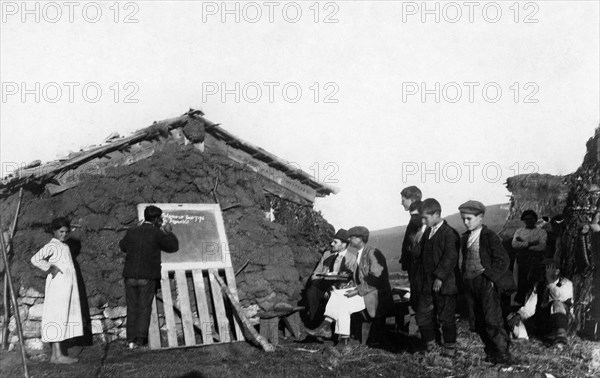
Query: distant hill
{"points": [[389, 240]]}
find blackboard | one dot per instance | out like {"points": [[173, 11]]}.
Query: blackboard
{"points": [[201, 234]]}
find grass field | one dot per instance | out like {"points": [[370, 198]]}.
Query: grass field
{"points": [[399, 357]]}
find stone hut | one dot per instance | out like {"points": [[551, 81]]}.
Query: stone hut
{"points": [[274, 234]]}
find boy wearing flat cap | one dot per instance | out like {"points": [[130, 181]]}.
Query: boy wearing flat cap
{"points": [[337, 260], [372, 291], [436, 302], [486, 277]]}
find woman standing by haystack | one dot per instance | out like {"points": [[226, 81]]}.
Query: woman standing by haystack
{"points": [[61, 316]]}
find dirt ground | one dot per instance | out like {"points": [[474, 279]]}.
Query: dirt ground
{"points": [[399, 357]]}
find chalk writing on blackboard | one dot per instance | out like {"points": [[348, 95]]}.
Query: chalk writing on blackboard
{"points": [[201, 234], [182, 219]]}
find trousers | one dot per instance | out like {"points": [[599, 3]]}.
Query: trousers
{"points": [[138, 294], [315, 301], [433, 309], [489, 322], [340, 308]]}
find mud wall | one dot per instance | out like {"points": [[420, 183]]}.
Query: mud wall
{"points": [[279, 254]]}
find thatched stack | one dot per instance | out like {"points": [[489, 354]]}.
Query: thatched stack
{"points": [[543, 193], [581, 254]]}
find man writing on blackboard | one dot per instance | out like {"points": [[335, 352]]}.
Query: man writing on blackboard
{"points": [[143, 245]]}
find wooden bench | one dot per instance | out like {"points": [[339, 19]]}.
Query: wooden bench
{"points": [[269, 323]]}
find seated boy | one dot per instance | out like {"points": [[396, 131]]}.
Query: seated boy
{"points": [[547, 306]]}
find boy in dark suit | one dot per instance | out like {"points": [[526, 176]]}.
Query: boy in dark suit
{"points": [[411, 200], [486, 277], [437, 298]]}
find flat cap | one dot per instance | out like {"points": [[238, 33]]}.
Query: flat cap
{"points": [[472, 207], [358, 231], [341, 235]]}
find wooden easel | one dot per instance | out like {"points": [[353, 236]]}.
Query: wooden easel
{"points": [[191, 300]]}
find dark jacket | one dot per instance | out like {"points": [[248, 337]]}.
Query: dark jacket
{"points": [[412, 229], [142, 245], [373, 282], [439, 256], [327, 261], [494, 259]]}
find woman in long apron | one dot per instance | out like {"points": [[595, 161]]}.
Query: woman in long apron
{"points": [[61, 316]]}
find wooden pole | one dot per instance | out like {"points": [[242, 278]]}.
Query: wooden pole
{"points": [[5, 294], [13, 298], [6, 304], [267, 347]]}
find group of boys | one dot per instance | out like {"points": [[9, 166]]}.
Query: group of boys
{"points": [[431, 254], [438, 261]]}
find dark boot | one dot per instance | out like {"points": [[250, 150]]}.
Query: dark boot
{"points": [[449, 350], [324, 330], [344, 344]]}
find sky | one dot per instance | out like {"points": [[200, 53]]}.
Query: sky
{"points": [[453, 97]]}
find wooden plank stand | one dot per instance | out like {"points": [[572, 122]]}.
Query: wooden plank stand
{"points": [[191, 311]]}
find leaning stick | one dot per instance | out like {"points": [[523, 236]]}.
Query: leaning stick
{"points": [[267, 347], [5, 292], [13, 298], [6, 304]]}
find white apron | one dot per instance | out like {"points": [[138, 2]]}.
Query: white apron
{"points": [[61, 317]]}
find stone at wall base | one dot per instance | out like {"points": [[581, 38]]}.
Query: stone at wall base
{"points": [[34, 346], [35, 312], [115, 312], [31, 292], [97, 327]]}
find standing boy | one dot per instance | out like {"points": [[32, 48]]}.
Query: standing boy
{"points": [[142, 245], [411, 200], [437, 297], [486, 277]]}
